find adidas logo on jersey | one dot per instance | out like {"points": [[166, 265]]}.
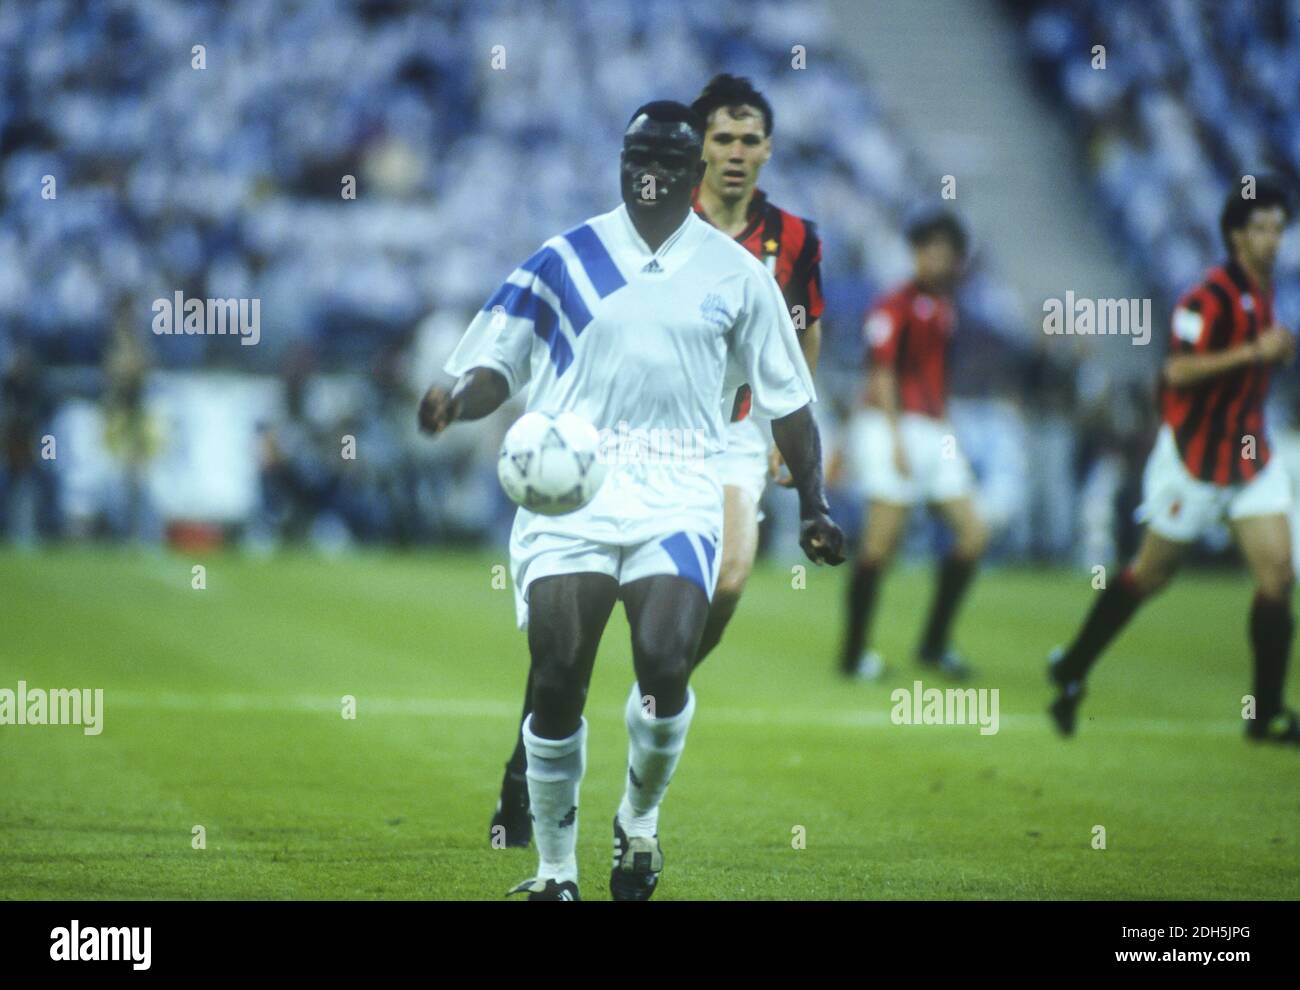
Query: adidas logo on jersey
{"points": [[653, 268]]}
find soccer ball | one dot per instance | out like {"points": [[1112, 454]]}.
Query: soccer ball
{"points": [[549, 464]]}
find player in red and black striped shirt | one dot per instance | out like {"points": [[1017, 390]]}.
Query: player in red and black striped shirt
{"points": [[737, 143], [1212, 419], [1211, 460]]}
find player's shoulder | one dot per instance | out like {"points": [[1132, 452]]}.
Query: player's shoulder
{"points": [[1210, 298], [1214, 286], [895, 299], [546, 253], [602, 225], [590, 242], [798, 231], [786, 216]]}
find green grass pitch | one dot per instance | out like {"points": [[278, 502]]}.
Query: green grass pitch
{"points": [[223, 710]]}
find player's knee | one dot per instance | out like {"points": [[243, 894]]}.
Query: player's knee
{"points": [[732, 574], [557, 676], [731, 582], [1147, 581], [735, 567], [663, 664], [670, 665], [1149, 578], [972, 541], [1276, 578], [877, 553]]}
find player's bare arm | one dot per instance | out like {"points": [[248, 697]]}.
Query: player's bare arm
{"points": [[797, 438], [1275, 345], [810, 343], [478, 393]]}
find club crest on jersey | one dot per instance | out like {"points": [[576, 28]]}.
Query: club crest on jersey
{"points": [[714, 311]]}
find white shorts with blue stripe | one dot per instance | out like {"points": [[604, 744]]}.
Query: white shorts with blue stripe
{"points": [[691, 555]]}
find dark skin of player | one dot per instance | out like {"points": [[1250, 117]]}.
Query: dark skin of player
{"points": [[659, 166]]}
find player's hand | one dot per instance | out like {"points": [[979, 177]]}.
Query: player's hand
{"points": [[821, 539], [776, 469], [1276, 345], [437, 410]]}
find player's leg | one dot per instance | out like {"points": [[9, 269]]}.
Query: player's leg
{"points": [[667, 614], [970, 537], [1155, 565], [884, 524], [1177, 508], [739, 547], [512, 824], [1265, 543], [567, 614], [874, 459], [743, 471]]}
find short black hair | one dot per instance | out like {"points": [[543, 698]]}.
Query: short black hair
{"points": [[1237, 209], [925, 225], [726, 90], [669, 112]]}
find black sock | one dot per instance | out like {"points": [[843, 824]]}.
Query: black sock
{"points": [[519, 759], [954, 577], [1108, 616], [1271, 628], [862, 599]]}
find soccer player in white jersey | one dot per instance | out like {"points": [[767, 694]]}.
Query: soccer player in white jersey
{"points": [[737, 143], [636, 320]]}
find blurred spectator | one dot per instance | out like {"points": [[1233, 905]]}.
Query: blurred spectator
{"points": [[132, 437], [26, 481]]}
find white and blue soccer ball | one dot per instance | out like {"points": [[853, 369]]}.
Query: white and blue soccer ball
{"points": [[551, 464]]}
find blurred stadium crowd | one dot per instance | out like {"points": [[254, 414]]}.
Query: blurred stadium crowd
{"points": [[1193, 96], [219, 171]]}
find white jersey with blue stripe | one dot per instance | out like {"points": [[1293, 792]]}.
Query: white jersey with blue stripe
{"points": [[643, 344]]}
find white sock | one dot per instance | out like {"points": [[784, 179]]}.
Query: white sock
{"points": [[654, 745], [555, 769]]}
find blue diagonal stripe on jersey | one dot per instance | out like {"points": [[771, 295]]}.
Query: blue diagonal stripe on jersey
{"points": [[523, 303], [546, 324], [596, 262], [679, 548], [547, 265]]}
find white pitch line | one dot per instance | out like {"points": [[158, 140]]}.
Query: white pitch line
{"points": [[484, 708]]}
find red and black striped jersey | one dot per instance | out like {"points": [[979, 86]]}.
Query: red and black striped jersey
{"points": [[1218, 423], [790, 248], [909, 331]]}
